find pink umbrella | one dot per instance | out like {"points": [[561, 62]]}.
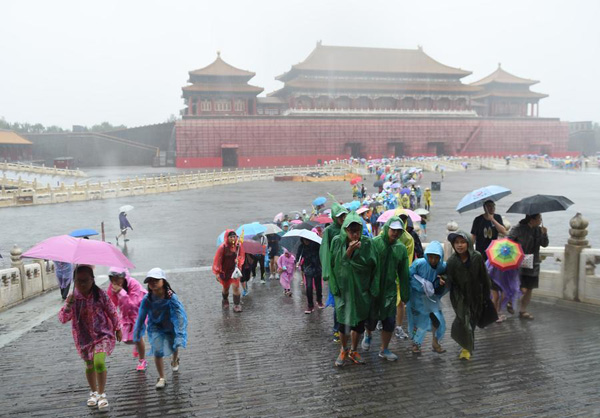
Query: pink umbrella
{"points": [[385, 216], [253, 247], [296, 221], [79, 251], [415, 217], [278, 217]]}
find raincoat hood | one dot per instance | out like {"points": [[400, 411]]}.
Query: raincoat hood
{"points": [[226, 239], [386, 229], [435, 247], [337, 209], [351, 218], [117, 271], [452, 237]]}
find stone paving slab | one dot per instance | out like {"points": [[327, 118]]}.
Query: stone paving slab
{"points": [[272, 360]]}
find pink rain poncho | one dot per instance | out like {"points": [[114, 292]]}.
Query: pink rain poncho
{"points": [[94, 321], [128, 302], [286, 262]]}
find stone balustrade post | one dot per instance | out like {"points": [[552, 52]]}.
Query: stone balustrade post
{"points": [[451, 227], [576, 243], [16, 262]]}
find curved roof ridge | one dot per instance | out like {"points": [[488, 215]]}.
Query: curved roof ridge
{"points": [[504, 77], [221, 68]]}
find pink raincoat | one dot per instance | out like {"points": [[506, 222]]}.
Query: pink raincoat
{"points": [[287, 264], [93, 323], [128, 302]]}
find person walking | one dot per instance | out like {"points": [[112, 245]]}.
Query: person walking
{"points": [[227, 267], [469, 287], [532, 235], [126, 294], [166, 321], [260, 259], [308, 251], [286, 264], [64, 276], [353, 283], [427, 198], [96, 328], [427, 288], [273, 248], [392, 272], [123, 225]]}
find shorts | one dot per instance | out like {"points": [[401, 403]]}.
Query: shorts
{"points": [[273, 252], [389, 324], [360, 328], [529, 282], [229, 282]]}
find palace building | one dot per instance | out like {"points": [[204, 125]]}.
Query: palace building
{"points": [[362, 102]]}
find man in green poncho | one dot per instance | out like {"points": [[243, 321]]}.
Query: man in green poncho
{"points": [[353, 283], [338, 213], [392, 273]]}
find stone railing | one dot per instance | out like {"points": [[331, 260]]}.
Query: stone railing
{"points": [[25, 280], [567, 272], [34, 194], [36, 169]]}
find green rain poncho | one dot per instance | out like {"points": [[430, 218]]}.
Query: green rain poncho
{"points": [[352, 281], [469, 286], [392, 271], [329, 233]]}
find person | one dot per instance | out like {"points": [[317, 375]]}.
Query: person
{"points": [[96, 328], [353, 283], [247, 267], [126, 294], [273, 248], [260, 259], [123, 225], [364, 213], [373, 221], [405, 200], [338, 213], [166, 321], [311, 268], [427, 198], [508, 284], [355, 191], [424, 226], [227, 266], [392, 272], [413, 200], [363, 191], [532, 235], [484, 230], [305, 216], [427, 288], [64, 276], [469, 286], [410, 228], [419, 194], [286, 264]]}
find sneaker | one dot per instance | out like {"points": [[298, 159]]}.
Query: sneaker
{"points": [[379, 325], [160, 383], [93, 399], [399, 332], [237, 308], [356, 358], [175, 365], [341, 359], [225, 304], [366, 342], [320, 305], [336, 337], [388, 355], [102, 401], [244, 292], [263, 281], [142, 365], [464, 354], [308, 311]]}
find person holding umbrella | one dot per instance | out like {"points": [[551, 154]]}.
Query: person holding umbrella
{"points": [[308, 251], [532, 235], [227, 266], [123, 225]]}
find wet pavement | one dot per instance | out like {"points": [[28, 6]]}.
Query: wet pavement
{"points": [[272, 360], [179, 229]]}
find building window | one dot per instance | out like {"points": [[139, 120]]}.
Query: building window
{"points": [[223, 105], [205, 105], [239, 106], [194, 106]]}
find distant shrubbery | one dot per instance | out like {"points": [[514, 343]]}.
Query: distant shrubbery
{"points": [[38, 128]]}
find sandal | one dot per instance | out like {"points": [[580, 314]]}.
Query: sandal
{"points": [[93, 399], [438, 349], [509, 308], [526, 315], [416, 349], [102, 401]]}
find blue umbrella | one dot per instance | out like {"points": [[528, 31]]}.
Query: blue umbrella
{"points": [[355, 204], [319, 201], [220, 238], [251, 229], [476, 198], [85, 232]]}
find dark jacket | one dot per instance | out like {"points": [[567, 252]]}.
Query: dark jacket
{"points": [[531, 239]]}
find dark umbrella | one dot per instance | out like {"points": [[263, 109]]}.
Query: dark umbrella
{"points": [[305, 225], [540, 203], [378, 183]]}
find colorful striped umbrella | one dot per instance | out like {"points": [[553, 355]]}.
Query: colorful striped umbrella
{"points": [[505, 254]]}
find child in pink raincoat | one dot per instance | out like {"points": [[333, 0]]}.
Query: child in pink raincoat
{"points": [[127, 294], [286, 264], [96, 326]]}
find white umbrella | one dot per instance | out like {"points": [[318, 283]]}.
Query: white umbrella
{"points": [[271, 229], [304, 233], [126, 208], [422, 211]]}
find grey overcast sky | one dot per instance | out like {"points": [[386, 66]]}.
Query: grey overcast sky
{"points": [[83, 62]]}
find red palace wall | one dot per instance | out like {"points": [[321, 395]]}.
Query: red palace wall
{"points": [[272, 141]]}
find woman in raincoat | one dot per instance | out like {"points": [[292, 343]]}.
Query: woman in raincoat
{"points": [[126, 294], [285, 268], [469, 286], [229, 257], [405, 201], [427, 288], [353, 283], [392, 273], [427, 198]]}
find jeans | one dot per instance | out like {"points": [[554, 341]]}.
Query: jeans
{"points": [[318, 284]]}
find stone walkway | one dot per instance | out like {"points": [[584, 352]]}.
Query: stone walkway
{"points": [[272, 360]]}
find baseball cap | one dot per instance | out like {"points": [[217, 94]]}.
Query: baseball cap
{"points": [[155, 273], [396, 225]]}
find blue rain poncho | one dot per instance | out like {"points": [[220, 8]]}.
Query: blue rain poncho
{"points": [[426, 294], [167, 324]]}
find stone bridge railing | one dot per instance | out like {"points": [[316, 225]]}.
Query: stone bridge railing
{"points": [[36, 169], [34, 194]]}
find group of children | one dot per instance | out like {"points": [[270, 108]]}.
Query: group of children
{"points": [[123, 313]]}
